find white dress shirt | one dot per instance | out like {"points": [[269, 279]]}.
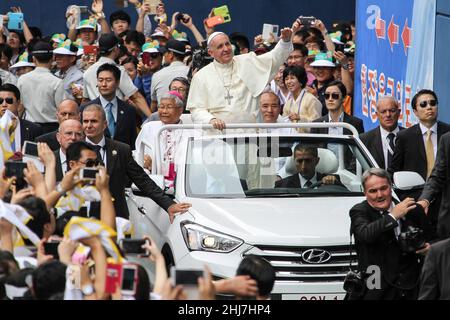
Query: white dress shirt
{"points": [[336, 130], [434, 137], [398, 229], [63, 158], [385, 142], [303, 181]]}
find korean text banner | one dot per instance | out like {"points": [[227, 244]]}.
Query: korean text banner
{"points": [[395, 54]]}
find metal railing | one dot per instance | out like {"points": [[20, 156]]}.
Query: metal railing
{"points": [[311, 125]]}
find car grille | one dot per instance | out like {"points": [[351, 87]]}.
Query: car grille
{"points": [[290, 266]]}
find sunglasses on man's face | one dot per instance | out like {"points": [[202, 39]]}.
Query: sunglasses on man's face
{"points": [[431, 103], [335, 96], [7, 100], [91, 163]]}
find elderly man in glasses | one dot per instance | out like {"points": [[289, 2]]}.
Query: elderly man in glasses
{"points": [[416, 147], [121, 167], [170, 110], [69, 131]]}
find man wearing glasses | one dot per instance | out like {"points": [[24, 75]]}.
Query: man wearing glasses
{"points": [[170, 110], [69, 131], [416, 147], [121, 167], [67, 109], [21, 130]]}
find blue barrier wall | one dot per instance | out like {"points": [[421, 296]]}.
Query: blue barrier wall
{"points": [[247, 16]]}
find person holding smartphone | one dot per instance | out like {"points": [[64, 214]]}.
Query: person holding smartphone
{"points": [[150, 62], [21, 129]]}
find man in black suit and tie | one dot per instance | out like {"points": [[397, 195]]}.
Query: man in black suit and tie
{"points": [[376, 224], [69, 131], [381, 141], [67, 109], [438, 185], [416, 147], [121, 117], [22, 130], [306, 160], [335, 93], [121, 167]]}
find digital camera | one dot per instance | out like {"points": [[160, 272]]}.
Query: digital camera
{"points": [[200, 58], [354, 283], [411, 240]]}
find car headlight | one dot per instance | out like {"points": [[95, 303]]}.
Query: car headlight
{"points": [[199, 238]]}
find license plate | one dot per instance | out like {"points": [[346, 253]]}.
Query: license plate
{"points": [[314, 297]]}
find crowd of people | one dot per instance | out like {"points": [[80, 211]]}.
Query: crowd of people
{"points": [[96, 95]]}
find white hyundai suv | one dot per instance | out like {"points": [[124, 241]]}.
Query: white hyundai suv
{"points": [[236, 210]]}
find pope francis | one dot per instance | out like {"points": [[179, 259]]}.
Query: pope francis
{"points": [[227, 90]]}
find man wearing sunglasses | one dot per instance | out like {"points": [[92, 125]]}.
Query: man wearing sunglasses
{"points": [[121, 167], [22, 130], [334, 95], [417, 146]]}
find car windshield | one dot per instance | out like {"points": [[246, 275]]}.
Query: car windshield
{"points": [[269, 167]]}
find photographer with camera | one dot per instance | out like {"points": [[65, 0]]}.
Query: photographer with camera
{"points": [[391, 236]]}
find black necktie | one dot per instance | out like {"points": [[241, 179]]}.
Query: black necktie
{"points": [[391, 138], [308, 184], [99, 156]]}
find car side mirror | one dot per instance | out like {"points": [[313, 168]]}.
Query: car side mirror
{"points": [[408, 180]]}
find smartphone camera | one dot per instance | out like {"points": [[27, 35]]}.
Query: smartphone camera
{"points": [[134, 246], [51, 248], [340, 47], [30, 149], [307, 21], [185, 277], [88, 173], [14, 169], [129, 279], [180, 17]]}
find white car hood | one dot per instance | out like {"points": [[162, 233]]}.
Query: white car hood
{"points": [[286, 221]]}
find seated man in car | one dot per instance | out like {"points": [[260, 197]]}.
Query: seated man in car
{"points": [[306, 160]]}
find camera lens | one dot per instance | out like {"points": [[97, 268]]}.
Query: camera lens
{"points": [[179, 17]]}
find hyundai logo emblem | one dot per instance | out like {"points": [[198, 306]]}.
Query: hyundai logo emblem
{"points": [[316, 256]]}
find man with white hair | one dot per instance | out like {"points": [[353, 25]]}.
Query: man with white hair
{"points": [[170, 110], [227, 90], [381, 140]]}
